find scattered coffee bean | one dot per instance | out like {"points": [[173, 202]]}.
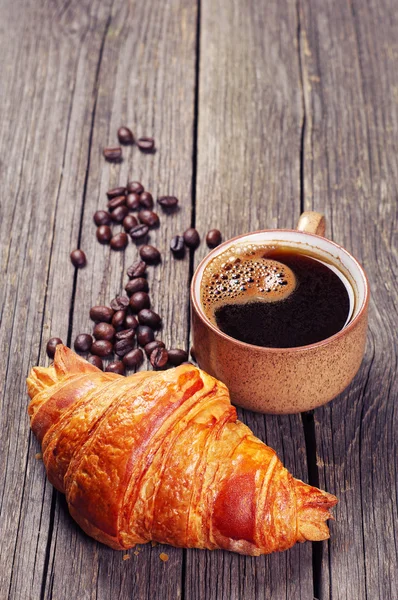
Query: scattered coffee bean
{"points": [[137, 269], [139, 284], [148, 217], [139, 300], [119, 214], [116, 202], [146, 144], [149, 348], [78, 259], [139, 232], [102, 348], [117, 191], [133, 358], [51, 345], [135, 186], [133, 201], [112, 154], [101, 314], [125, 334], [104, 234], [119, 241], [115, 366], [120, 303], [150, 254], [125, 135], [146, 316], [168, 202], [129, 222], [146, 200], [213, 238], [102, 217], [96, 361], [118, 319], [104, 331], [191, 238], [177, 356], [177, 246], [83, 342], [159, 358], [122, 347], [145, 335], [131, 322]]}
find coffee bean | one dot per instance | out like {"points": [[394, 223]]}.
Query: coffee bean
{"points": [[104, 331], [159, 358], [150, 254], [129, 222], [117, 202], [177, 246], [177, 356], [125, 334], [146, 316], [104, 234], [213, 238], [115, 366], [148, 217], [125, 135], [51, 345], [139, 284], [149, 348], [96, 361], [133, 201], [83, 342], [119, 214], [135, 186], [122, 347], [120, 303], [131, 322], [102, 217], [138, 232], [168, 202], [102, 348], [146, 200], [112, 154], [146, 144], [145, 335], [78, 259], [119, 241], [137, 269], [117, 191], [118, 319], [133, 358], [101, 314], [138, 301], [191, 238]]}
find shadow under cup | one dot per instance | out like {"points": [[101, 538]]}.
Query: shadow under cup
{"points": [[285, 380]]}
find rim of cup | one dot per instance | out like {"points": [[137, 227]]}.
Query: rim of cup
{"points": [[319, 246]]}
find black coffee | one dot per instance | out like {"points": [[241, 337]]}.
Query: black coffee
{"points": [[274, 296]]}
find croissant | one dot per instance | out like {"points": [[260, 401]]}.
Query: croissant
{"points": [[161, 456]]}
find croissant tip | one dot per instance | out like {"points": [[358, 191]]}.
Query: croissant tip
{"points": [[312, 512]]}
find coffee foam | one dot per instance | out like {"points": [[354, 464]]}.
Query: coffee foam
{"points": [[243, 274]]}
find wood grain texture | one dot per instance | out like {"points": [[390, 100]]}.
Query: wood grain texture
{"points": [[248, 178], [349, 54]]}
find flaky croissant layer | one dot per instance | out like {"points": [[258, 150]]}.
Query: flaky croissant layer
{"points": [[161, 456]]}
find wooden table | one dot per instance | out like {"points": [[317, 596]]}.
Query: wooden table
{"points": [[259, 110]]}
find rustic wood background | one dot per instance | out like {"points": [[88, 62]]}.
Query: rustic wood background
{"points": [[259, 110]]}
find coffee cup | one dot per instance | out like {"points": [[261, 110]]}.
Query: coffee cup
{"points": [[287, 379]]}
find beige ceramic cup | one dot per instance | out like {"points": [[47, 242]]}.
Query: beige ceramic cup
{"points": [[286, 380]]}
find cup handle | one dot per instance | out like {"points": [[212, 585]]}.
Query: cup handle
{"points": [[312, 222]]}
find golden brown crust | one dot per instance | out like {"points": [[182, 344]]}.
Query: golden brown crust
{"points": [[161, 456]]}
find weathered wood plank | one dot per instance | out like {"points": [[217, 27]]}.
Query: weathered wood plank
{"points": [[146, 80], [48, 77], [248, 178], [349, 53]]}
